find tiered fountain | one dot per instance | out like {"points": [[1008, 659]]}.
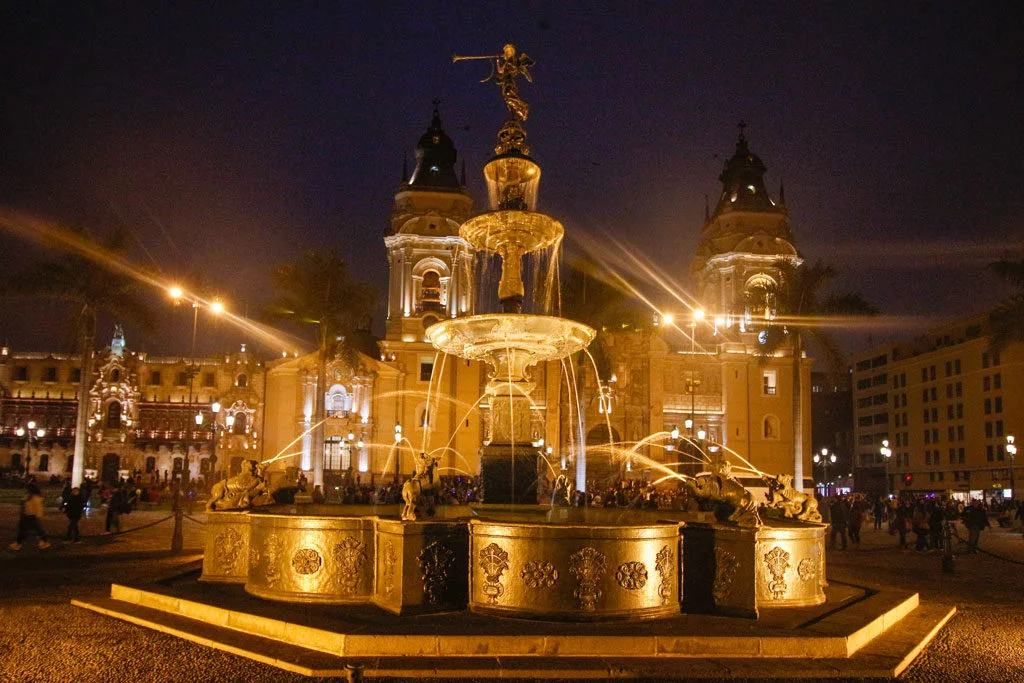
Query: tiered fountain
{"points": [[511, 556]]}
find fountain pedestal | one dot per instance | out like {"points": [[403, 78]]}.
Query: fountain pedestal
{"points": [[509, 474]]}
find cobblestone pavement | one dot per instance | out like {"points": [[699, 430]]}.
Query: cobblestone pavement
{"points": [[44, 638]]}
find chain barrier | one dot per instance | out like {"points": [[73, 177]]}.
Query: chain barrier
{"points": [[128, 531], [193, 519], [988, 552]]}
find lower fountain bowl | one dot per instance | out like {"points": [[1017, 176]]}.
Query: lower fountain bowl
{"points": [[577, 572]]}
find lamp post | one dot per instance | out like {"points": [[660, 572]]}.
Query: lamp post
{"points": [[886, 454], [30, 434], [1011, 449], [824, 459]]}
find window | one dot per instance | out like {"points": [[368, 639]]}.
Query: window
{"points": [[949, 368], [941, 475], [209, 379], [864, 383], [960, 454], [952, 456], [924, 374], [997, 381], [114, 415], [999, 427], [935, 414], [959, 389], [959, 411], [150, 464], [959, 432], [988, 430], [927, 436], [935, 394], [864, 421], [242, 381], [949, 391], [181, 379], [768, 383], [881, 418], [924, 395], [931, 373], [154, 378], [76, 375], [241, 417], [935, 436], [44, 461], [49, 375], [988, 406], [956, 366], [16, 461], [115, 375], [1000, 452], [880, 380], [986, 383], [949, 412], [864, 402], [20, 373], [995, 358], [927, 456], [926, 415], [426, 369], [999, 404], [770, 427], [985, 362], [950, 435], [337, 454]]}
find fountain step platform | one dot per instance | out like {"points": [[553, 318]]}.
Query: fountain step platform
{"points": [[842, 638]]}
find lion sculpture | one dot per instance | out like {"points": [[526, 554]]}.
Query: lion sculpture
{"points": [[719, 486], [792, 503], [418, 492], [241, 492]]}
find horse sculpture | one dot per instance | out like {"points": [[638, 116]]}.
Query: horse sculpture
{"points": [[562, 495], [792, 503], [418, 492]]}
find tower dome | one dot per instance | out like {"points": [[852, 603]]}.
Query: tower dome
{"points": [[435, 159]]}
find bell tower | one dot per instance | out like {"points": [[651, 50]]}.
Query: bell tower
{"points": [[431, 267], [744, 236]]}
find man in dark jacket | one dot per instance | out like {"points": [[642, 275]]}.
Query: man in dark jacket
{"points": [[840, 520], [74, 505], [976, 519]]}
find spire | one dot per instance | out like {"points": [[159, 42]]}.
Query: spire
{"points": [[742, 179], [435, 158]]}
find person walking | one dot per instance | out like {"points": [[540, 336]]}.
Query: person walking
{"points": [[855, 521], [919, 520], [976, 519], [115, 506], [901, 523], [74, 506], [878, 510], [840, 521], [29, 519]]}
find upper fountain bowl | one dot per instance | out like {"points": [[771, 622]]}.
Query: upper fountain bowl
{"points": [[509, 231]]}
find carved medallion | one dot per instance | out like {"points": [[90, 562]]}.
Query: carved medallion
{"points": [[349, 555], [435, 562], [306, 561], [663, 565], [494, 561], [538, 574], [777, 562], [389, 558], [726, 565], [228, 549], [589, 566], [807, 569], [632, 575]]}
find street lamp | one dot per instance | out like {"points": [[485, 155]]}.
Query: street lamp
{"points": [[887, 454], [31, 434], [824, 459], [1011, 449]]}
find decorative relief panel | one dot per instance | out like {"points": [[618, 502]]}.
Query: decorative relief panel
{"points": [[777, 562], [229, 547], [349, 555], [435, 562], [274, 551], [632, 575], [663, 565], [539, 574], [389, 558], [494, 561], [306, 561], [726, 565], [588, 565]]}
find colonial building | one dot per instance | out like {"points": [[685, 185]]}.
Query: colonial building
{"points": [[148, 416], [943, 406]]}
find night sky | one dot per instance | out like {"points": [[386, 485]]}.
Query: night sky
{"points": [[226, 136]]}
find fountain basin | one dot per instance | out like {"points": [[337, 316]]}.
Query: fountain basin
{"points": [[226, 547], [573, 571], [511, 231]]}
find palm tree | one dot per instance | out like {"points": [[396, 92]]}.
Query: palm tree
{"points": [[92, 288], [591, 297], [317, 290], [1007, 317], [796, 303]]}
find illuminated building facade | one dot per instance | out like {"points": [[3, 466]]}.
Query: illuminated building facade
{"points": [[944, 404], [141, 419]]}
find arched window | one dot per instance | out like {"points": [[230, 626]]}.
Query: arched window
{"points": [[242, 381], [115, 375], [240, 423], [431, 288], [339, 401], [770, 428], [114, 415]]}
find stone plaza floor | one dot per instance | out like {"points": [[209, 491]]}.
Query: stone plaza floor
{"points": [[44, 638]]}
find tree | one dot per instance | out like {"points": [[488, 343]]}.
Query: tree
{"points": [[796, 304], [317, 290], [591, 297], [1007, 318], [92, 287]]}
